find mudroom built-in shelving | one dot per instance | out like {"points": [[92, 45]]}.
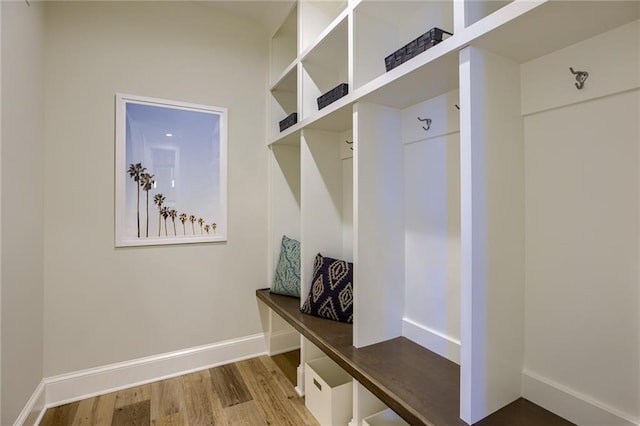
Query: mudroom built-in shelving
{"points": [[487, 202]]}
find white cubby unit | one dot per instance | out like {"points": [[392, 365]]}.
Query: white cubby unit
{"points": [[326, 213], [316, 19], [327, 206], [284, 100], [285, 219], [490, 203], [284, 45]]}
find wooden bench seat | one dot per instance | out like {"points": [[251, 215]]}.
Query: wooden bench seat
{"points": [[420, 385]]}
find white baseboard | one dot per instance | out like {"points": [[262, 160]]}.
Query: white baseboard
{"points": [[284, 341], [435, 341], [34, 409], [88, 383], [571, 405]]}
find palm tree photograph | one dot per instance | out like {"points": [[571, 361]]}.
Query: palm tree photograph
{"points": [[183, 219], [173, 213], [158, 199], [135, 171], [146, 182], [171, 160]]}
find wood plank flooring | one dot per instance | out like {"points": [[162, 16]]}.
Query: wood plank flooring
{"points": [[258, 391]]}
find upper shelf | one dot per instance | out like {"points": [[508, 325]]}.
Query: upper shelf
{"points": [[315, 17], [426, 76], [284, 45], [382, 27], [520, 30], [336, 117], [526, 30]]}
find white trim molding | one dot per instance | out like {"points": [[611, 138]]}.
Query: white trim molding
{"points": [[84, 384], [34, 409], [433, 340], [570, 404], [78, 385]]}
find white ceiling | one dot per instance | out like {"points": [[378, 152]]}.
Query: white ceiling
{"points": [[268, 13]]}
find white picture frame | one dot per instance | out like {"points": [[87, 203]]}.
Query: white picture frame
{"points": [[171, 172]]}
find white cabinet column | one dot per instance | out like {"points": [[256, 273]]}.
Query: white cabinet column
{"points": [[378, 224], [492, 233]]}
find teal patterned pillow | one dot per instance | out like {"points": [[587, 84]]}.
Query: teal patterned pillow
{"points": [[287, 279]]}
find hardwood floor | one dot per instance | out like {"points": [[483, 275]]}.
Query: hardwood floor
{"points": [[258, 391]]}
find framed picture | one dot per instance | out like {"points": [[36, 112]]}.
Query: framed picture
{"points": [[171, 172]]}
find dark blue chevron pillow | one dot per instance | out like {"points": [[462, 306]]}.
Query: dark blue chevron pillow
{"points": [[331, 294], [287, 277]]}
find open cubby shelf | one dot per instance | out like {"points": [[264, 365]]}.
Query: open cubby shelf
{"points": [[419, 385]]}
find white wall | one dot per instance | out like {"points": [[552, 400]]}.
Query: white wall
{"points": [[22, 154], [432, 225], [104, 305], [583, 229]]}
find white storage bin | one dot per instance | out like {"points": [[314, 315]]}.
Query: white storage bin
{"points": [[328, 394], [387, 417]]}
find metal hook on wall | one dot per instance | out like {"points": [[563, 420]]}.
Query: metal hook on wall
{"points": [[427, 121], [349, 143], [581, 77]]}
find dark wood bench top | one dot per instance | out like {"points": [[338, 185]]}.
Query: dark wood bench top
{"points": [[421, 386]]}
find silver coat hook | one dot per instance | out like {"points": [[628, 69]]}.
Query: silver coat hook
{"points": [[581, 77], [427, 121], [349, 143]]}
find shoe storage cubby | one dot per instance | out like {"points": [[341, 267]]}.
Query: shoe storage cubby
{"points": [[284, 100], [324, 67], [316, 18], [382, 27], [487, 196], [284, 46]]}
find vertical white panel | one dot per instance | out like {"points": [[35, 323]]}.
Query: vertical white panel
{"points": [[582, 232], [472, 351], [432, 224], [458, 15], [492, 224], [582, 357], [347, 209], [345, 140], [432, 211], [378, 224], [350, 51], [365, 404]]}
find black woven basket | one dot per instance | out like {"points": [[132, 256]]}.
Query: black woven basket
{"points": [[289, 121], [333, 95], [414, 48]]}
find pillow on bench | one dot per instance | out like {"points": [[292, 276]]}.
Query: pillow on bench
{"points": [[287, 277], [331, 294]]}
